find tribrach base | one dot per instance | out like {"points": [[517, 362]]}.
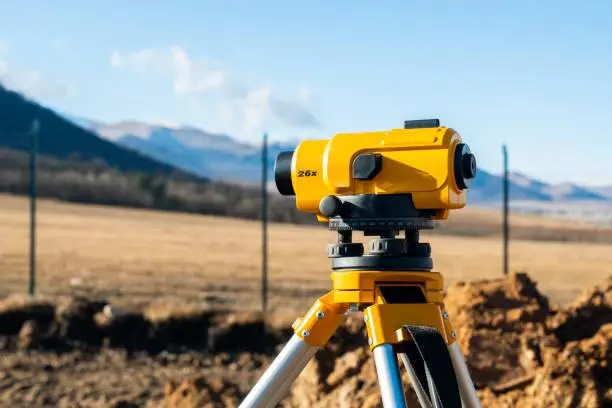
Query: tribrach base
{"points": [[405, 316]]}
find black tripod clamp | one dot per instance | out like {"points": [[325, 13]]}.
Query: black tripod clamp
{"points": [[428, 354]]}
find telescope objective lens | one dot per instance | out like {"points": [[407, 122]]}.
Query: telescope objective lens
{"points": [[282, 173]]}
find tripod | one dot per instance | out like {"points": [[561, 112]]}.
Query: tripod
{"points": [[402, 302]]}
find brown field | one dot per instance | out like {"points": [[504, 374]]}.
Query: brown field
{"points": [[132, 256]]}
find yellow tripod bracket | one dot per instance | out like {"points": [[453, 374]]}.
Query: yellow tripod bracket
{"points": [[391, 300]]}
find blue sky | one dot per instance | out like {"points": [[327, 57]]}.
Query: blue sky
{"points": [[534, 75]]}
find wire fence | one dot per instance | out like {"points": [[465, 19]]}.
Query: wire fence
{"points": [[79, 282]]}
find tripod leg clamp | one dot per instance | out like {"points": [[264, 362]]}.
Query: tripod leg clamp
{"points": [[385, 322], [321, 321]]}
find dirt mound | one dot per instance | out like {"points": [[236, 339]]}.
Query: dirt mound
{"points": [[521, 351], [570, 355], [499, 324], [77, 323], [586, 315], [201, 392]]}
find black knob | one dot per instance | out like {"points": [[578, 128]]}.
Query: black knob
{"points": [[330, 206], [366, 166], [468, 162]]}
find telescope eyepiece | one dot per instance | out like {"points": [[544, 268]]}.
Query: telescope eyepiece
{"points": [[469, 165], [465, 166], [282, 173]]}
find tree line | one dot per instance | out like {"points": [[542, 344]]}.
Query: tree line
{"points": [[95, 182]]}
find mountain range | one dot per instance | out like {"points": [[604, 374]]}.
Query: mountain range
{"points": [[220, 156], [206, 154]]}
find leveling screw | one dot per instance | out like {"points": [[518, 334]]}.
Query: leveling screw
{"points": [[453, 334], [445, 314], [305, 333], [320, 315]]}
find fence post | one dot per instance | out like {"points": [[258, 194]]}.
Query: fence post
{"points": [[506, 194], [34, 131], [264, 224]]}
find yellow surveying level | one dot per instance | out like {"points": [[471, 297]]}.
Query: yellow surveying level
{"points": [[389, 185]]}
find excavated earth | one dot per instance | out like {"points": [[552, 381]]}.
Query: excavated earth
{"points": [[73, 352]]}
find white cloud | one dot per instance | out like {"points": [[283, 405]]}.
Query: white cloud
{"points": [[187, 75], [254, 108], [260, 108], [33, 84], [136, 60], [192, 76]]}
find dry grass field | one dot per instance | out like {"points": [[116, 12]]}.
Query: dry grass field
{"points": [[131, 256]]}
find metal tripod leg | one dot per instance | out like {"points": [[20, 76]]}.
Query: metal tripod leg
{"points": [[389, 380], [277, 379], [318, 325], [466, 386], [416, 383], [283, 388]]}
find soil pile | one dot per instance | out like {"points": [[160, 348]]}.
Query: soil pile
{"points": [[520, 349], [78, 323], [522, 352]]}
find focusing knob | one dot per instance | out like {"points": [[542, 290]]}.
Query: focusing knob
{"points": [[366, 166], [330, 206]]}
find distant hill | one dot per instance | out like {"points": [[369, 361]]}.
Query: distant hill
{"points": [[488, 188], [525, 182], [559, 192], [573, 192], [62, 139], [211, 155], [605, 191]]}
